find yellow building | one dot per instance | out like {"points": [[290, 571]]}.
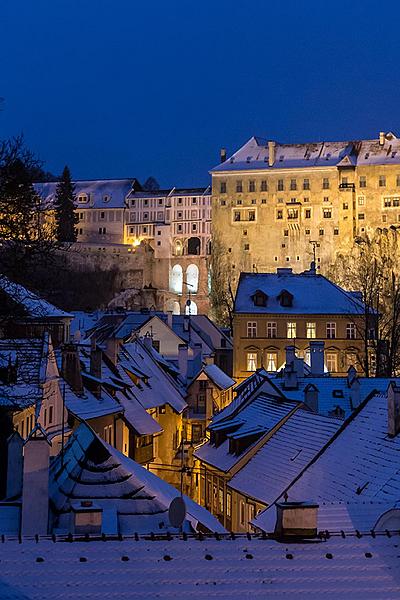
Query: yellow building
{"points": [[273, 204], [276, 310]]}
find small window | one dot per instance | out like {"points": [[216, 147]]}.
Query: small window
{"points": [[363, 181], [251, 329], [236, 215], [280, 186], [345, 206], [279, 214], [239, 186], [331, 331], [311, 330], [382, 180], [252, 361], [272, 330], [321, 232], [264, 185], [291, 330], [263, 201], [361, 200], [325, 183], [351, 331], [327, 213], [252, 186], [106, 198], [293, 184], [102, 215], [222, 188], [336, 231], [308, 213], [308, 231], [361, 216], [51, 411], [306, 184], [252, 215], [247, 246], [223, 202], [286, 232]]}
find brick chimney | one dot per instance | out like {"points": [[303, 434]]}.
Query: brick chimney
{"points": [[222, 155], [290, 381], [296, 519], [71, 367], [317, 358], [393, 403], [35, 492], [271, 153]]}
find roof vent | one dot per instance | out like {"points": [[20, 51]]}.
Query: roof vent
{"points": [[296, 519]]}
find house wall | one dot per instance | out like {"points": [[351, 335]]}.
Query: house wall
{"points": [[167, 443]]}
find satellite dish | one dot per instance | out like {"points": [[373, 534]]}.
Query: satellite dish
{"points": [[177, 512]]}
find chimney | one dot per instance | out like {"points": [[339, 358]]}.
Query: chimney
{"points": [[311, 397], [169, 318], [317, 358], [381, 138], [290, 377], [313, 270], [296, 519], [299, 366], [222, 155], [71, 367], [35, 492], [271, 153], [393, 400], [197, 358], [15, 445], [353, 383], [290, 355], [112, 348], [95, 366], [183, 360]]}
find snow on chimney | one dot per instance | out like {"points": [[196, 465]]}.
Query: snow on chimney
{"points": [[112, 349], [290, 355], [381, 138], [296, 519], [393, 403], [183, 360], [71, 367], [271, 153], [169, 318], [311, 397], [222, 155], [317, 358], [35, 491], [290, 376], [15, 445]]}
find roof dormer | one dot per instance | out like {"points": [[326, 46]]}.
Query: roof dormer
{"points": [[285, 298], [259, 298]]}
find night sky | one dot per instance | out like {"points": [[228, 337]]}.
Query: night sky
{"points": [[125, 88]]}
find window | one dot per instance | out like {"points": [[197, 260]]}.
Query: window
{"points": [[239, 186], [222, 188], [384, 218], [351, 331], [382, 180], [251, 512], [293, 213], [180, 199], [306, 184], [252, 215], [336, 231], [146, 216], [280, 186], [279, 214], [51, 411], [345, 206], [387, 202], [254, 201], [194, 227], [272, 361], [345, 180], [244, 231], [239, 202], [398, 180], [228, 504], [271, 330], [396, 201], [363, 181], [325, 183], [252, 186], [291, 330], [160, 202], [308, 231], [361, 200], [82, 198], [293, 184], [321, 232], [247, 246], [308, 213], [223, 202], [286, 232], [194, 200], [263, 201], [361, 216], [311, 330], [236, 215], [326, 198], [242, 513], [264, 185], [331, 331], [251, 329], [252, 361], [351, 359], [306, 199], [327, 213], [102, 215], [107, 434], [220, 500], [332, 362]]}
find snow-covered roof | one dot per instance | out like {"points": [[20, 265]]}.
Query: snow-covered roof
{"points": [[254, 154], [93, 470], [171, 192], [33, 306], [101, 193], [258, 417], [283, 457], [219, 377], [363, 568], [312, 294]]}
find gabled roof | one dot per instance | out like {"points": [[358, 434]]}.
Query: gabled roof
{"points": [[218, 377], [32, 305], [94, 470], [254, 154], [312, 294]]}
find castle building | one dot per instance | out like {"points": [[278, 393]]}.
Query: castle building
{"points": [[275, 204], [116, 214]]}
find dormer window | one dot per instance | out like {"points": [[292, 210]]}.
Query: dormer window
{"points": [[259, 298], [106, 198], [82, 198], [285, 298]]}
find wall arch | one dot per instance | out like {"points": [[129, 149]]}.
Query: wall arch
{"points": [[193, 245], [191, 309], [176, 279], [192, 278]]}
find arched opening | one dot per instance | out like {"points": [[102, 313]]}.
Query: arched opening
{"points": [[178, 248], [209, 248], [176, 279], [191, 309], [192, 279], [176, 310], [193, 245]]}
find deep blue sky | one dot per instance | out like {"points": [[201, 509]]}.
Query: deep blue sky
{"points": [[118, 88]]}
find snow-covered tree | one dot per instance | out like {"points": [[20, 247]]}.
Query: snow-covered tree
{"points": [[64, 206]]}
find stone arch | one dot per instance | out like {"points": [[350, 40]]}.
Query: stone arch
{"points": [[192, 278], [178, 248], [191, 309], [176, 279], [193, 245]]}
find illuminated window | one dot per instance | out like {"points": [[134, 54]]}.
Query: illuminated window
{"points": [[332, 362], [228, 504], [252, 361], [331, 331], [192, 278], [293, 213], [251, 329], [351, 331], [242, 513], [311, 330], [361, 200], [351, 359], [272, 361], [290, 330], [221, 500], [176, 279], [327, 213], [272, 330]]}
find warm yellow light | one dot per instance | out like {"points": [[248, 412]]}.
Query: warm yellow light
{"points": [[136, 242]]}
